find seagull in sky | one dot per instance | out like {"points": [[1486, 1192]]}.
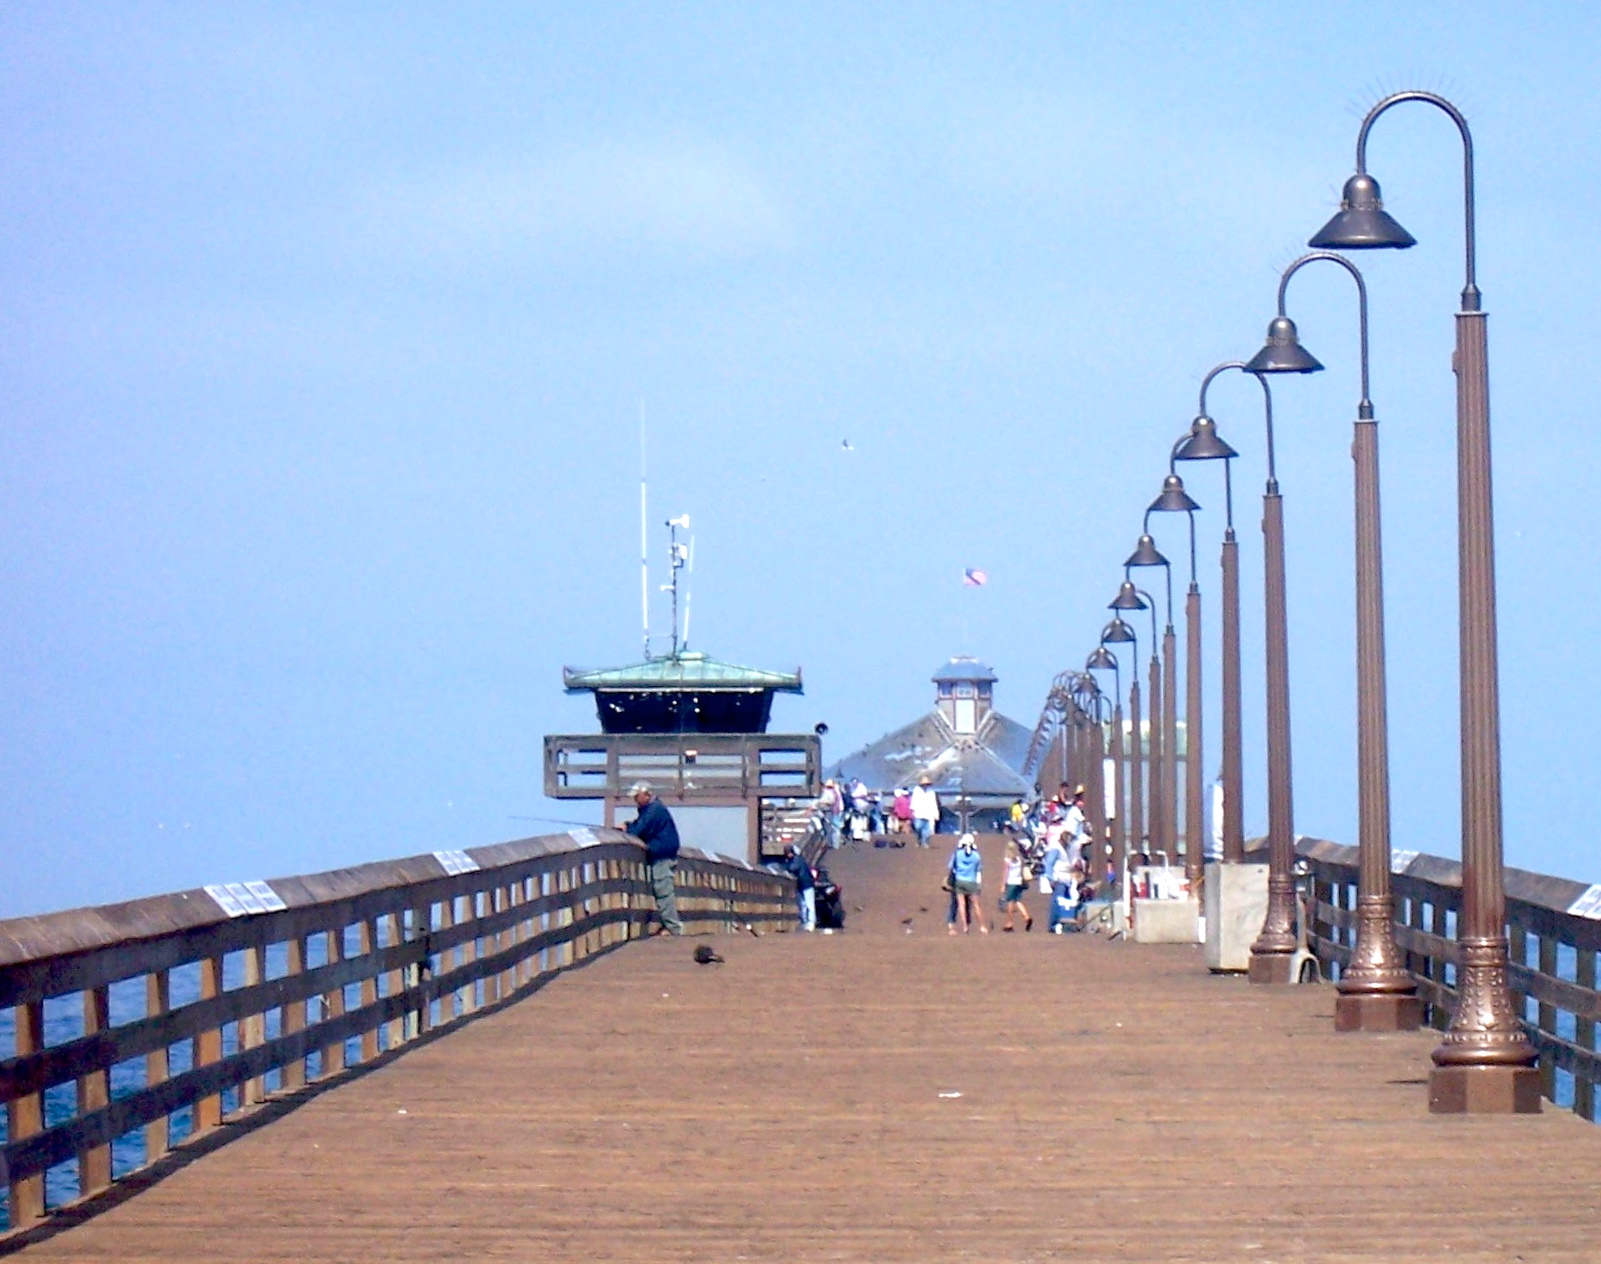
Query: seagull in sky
{"points": [[846, 444]]}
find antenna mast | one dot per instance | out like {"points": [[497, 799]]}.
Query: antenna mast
{"points": [[644, 544], [689, 588], [678, 554]]}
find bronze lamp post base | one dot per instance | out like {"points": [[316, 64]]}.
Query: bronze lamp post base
{"points": [[1484, 1090], [1272, 967], [1377, 1012]]}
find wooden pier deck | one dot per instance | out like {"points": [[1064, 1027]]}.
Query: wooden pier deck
{"points": [[1117, 1103]]}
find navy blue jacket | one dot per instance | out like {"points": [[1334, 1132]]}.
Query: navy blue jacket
{"points": [[800, 871], [654, 827]]}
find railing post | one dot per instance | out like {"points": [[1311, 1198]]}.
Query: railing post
{"points": [[419, 1013], [469, 954], [253, 1028], [208, 1046], [394, 980], [1584, 1037], [158, 1000], [292, 1016], [369, 986], [94, 1164], [448, 960], [25, 1117], [1547, 1021], [333, 1005], [1439, 918]]}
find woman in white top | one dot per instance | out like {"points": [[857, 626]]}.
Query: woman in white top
{"points": [[1016, 880]]}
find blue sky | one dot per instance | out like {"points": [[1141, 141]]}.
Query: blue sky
{"points": [[324, 331]]}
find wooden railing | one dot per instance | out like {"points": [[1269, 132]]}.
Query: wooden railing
{"points": [[1553, 928], [143, 1026]]}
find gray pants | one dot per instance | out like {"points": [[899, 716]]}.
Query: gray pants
{"points": [[661, 886]]}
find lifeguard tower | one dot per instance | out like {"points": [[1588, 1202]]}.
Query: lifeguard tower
{"points": [[695, 728]]}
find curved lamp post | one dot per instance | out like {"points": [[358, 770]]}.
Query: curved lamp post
{"points": [[1486, 1063], [1202, 443], [1104, 660], [1271, 953], [1087, 700], [1377, 992], [1164, 788], [1146, 751], [1174, 499]]}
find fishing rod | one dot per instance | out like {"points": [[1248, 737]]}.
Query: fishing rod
{"points": [[558, 820]]}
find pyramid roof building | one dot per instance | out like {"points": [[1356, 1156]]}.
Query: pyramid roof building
{"points": [[964, 746]]}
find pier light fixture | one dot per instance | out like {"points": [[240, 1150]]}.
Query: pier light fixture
{"points": [[1485, 1064], [1376, 992]]}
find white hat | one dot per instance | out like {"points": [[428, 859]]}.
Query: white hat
{"points": [[967, 840]]}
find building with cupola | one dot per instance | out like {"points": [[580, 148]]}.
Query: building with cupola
{"points": [[972, 755]]}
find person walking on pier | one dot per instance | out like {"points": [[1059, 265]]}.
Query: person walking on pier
{"points": [[966, 876], [1016, 878], [796, 865], [925, 810], [1058, 867], [832, 806], [655, 828]]}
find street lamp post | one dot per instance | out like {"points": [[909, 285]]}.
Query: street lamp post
{"points": [[1130, 598], [1271, 954], [1376, 991], [1174, 499], [1094, 768], [1203, 444], [1485, 1063], [1119, 633], [1104, 660], [1165, 788]]}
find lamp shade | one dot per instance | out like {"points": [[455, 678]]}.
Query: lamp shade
{"points": [[1145, 554], [1117, 632], [1204, 443], [1362, 223], [1128, 598], [1174, 499], [1283, 352], [1102, 660]]}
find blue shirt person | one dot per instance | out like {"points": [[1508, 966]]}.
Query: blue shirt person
{"points": [[966, 879], [655, 828]]}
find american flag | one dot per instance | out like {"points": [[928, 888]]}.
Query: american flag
{"points": [[974, 578]]}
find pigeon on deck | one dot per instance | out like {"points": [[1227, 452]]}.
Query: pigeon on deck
{"points": [[705, 956]]}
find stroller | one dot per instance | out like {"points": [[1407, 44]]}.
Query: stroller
{"points": [[830, 911]]}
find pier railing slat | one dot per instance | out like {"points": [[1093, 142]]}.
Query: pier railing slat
{"points": [[287, 994]]}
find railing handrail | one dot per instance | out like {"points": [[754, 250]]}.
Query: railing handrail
{"points": [[1545, 913], [1523, 886], [406, 946], [35, 937]]}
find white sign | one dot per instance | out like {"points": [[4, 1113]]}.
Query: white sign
{"points": [[226, 901], [1401, 860], [240, 899], [1588, 904], [584, 836], [454, 862], [270, 900]]}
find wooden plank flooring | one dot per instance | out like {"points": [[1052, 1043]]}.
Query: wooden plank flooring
{"points": [[1118, 1103]]}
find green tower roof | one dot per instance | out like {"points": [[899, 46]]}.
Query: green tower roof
{"points": [[688, 669]]}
